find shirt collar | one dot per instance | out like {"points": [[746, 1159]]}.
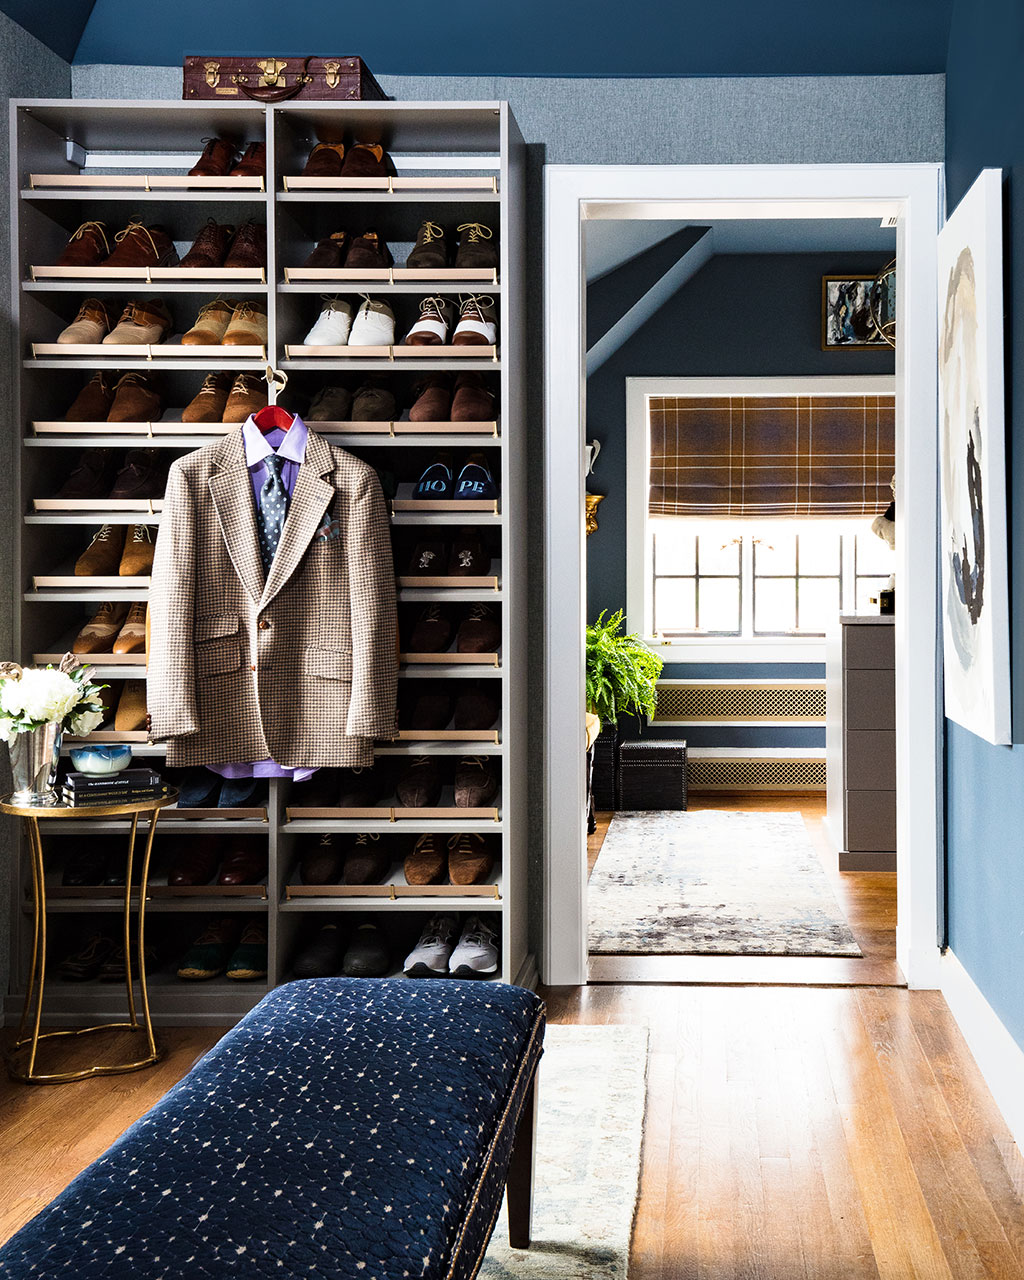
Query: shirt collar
{"points": [[257, 446]]}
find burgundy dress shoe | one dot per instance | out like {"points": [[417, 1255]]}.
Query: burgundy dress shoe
{"points": [[326, 160], [244, 865], [472, 401], [419, 787], [479, 631], [217, 158], [329, 253], [431, 711], [476, 709], [92, 476], [194, 861], [367, 160], [210, 247], [253, 163], [433, 399], [141, 246], [368, 252], [249, 247], [142, 476], [432, 631], [468, 558], [322, 860], [367, 861], [476, 783], [88, 246]]}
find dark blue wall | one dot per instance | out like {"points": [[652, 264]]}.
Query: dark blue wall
{"points": [[533, 37], [985, 784], [746, 315]]}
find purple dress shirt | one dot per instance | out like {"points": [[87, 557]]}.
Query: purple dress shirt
{"points": [[291, 446]]}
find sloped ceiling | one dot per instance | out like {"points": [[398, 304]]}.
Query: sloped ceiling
{"points": [[527, 38]]}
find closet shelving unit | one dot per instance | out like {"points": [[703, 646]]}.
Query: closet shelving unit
{"points": [[116, 161]]}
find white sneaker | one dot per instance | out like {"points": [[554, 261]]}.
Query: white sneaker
{"points": [[429, 958], [476, 955], [431, 329], [477, 325], [374, 325], [332, 326]]}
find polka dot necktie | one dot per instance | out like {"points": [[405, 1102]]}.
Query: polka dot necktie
{"points": [[273, 509]]}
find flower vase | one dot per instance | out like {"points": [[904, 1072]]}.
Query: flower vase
{"points": [[34, 758]]}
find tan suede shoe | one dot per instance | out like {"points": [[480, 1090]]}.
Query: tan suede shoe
{"points": [[102, 556], [428, 861], [141, 324], [470, 860], [137, 558], [211, 323], [91, 324], [248, 395], [130, 716], [136, 399], [98, 635], [132, 636], [209, 404], [248, 326], [93, 402]]}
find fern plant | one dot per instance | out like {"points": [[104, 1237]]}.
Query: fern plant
{"points": [[621, 671]]}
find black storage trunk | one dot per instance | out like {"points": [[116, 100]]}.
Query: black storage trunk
{"points": [[652, 775], [604, 780]]}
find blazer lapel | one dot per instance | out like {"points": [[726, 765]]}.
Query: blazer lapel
{"points": [[231, 493], [310, 499]]}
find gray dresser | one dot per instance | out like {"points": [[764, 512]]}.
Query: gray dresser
{"points": [[861, 742]]}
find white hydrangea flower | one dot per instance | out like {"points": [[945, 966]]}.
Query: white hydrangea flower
{"points": [[46, 695], [84, 723], [10, 697], [7, 730]]}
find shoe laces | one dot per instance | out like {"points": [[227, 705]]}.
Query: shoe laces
{"points": [[138, 313], [137, 227], [464, 843], [475, 931], [248, 311], [373, 304], [210, 386], [432, 613], [99, 229], [215, 303], [106, 610], [92, 949], [141, 533], [332, 303], [104, 533], [478, 612], [136, 614], [422, 841], [430, 232], [132, 380], [433, 308], [476, 302], [363, 840], [475, 232], [88, 307], [475, 762], [420, 762], [437, 931]]}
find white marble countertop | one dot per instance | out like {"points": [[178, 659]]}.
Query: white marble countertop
{"points": [[886, 619]]}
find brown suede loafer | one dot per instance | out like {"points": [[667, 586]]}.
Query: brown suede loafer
{"points": [[193, 861], [472, 402], [368, 252], [92, 404], [326, 160], [476, 783], [210, 247], [433, 399], [367, 862], [248, 396], [137, 398], [253, 163], [88, 246], [476, 709], [100, 632], [329, 253], [419, 787], [470, 859], [102, 556], [137, 557], [430, 252], [142, 476], [209, 403], [132, 636], [93, 475], [427, 861], [430, 712], [373, 403], [468, 558], [331, 404], [428, 559], [141, 324], [141, 246], [249, 247], [217, 158]]}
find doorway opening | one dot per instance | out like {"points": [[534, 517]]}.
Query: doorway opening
{"points": [[793, 201]]}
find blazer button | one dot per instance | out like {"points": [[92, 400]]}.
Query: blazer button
{"points": [[264, 625], [253, 667]]}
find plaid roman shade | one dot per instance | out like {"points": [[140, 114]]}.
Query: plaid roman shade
{"points": [[771, 456]]}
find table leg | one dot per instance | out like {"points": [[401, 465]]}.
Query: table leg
{"points": [[147, 1021], [132, 1020], [37, 976]]}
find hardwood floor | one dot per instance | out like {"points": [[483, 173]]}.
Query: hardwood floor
{"points": [[868, 900]]}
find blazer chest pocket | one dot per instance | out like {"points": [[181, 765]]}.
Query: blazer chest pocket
{"points": [[218, 645], [329, 664]]}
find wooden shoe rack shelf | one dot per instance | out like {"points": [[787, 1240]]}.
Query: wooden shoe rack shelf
{"points": [[116, 162]]}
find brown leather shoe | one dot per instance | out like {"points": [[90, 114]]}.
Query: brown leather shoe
{"points": [[478, 324], [137, 557], [322, 860], [209, 403], [430, 712], [210, 247], [419, 787], [470, 859], [141, 324], [92, 477], [248, 396], [432, 631], [136, 399], [367, 861], [193, 861], [431, 327], [329, 253], [100, 632], [88, 246], [374, 403], [433, 399], [427, 861], [141, 246], [478, 247], [476, 783], [368, 252], [473, 401], [479, 631], [92, 404], [102, 556], [245, 864], [132, 636], [367, 160], [325, 160], [248, 325], [211, 323], [142, 475], [249, 247], [217, 158], [331, 404], [130, 716], [430, 252], [91, 324], [253, 163], [476, 709], [468, 558]]}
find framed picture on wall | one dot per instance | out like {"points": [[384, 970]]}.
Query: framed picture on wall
{"points": [[847, 322], [972, 464]]}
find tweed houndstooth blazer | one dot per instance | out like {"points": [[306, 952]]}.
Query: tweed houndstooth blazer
{"points": [[301, 667]]}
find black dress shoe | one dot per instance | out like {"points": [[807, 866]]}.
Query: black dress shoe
{"points": [[362, 788], [322, 860], [318, 792], [430, 712], [476, 709], [87, 864], [322, 955], [368, 954]]}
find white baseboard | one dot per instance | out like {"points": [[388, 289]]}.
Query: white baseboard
{"points": [[999, 1057]]}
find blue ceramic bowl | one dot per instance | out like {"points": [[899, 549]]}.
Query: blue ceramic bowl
{"points": [[101, 758]]}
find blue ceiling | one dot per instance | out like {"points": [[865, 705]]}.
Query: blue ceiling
{"points": [[525, 38]]}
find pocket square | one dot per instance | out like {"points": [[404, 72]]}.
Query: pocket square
{"points": [[329, 531]]}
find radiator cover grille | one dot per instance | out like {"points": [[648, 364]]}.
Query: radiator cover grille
{"points": [[712, 773], [804, 703]]}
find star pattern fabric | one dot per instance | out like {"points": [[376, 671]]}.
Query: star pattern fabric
{"points": [[272, 510], [348, 1129]]}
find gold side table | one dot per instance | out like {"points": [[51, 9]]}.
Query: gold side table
{"points": [[137, 1021]]}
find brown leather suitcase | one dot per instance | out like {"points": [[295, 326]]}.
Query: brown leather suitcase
{"points": [[279, 79]]}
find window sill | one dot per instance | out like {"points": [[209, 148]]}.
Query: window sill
{"points": [[733, 649]]}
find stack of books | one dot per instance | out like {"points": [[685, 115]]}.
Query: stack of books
{"points": [[127, 787]]}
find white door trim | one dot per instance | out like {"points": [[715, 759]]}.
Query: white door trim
{"points": [[915, 194]]}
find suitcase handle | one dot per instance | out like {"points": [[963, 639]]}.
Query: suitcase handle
{"points": [[280, 94]]}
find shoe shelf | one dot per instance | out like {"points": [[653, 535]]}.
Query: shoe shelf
{"points": [[387, 279], [432, 432], [86, 597], [219, 276], [43, 196], [421, 671], [404, 501], [356, 364], [254, 815], [130, 184], [98, 354], [392, 812], [472, 737], [468, 895], [42, 581], [475, 186], [127, 661], [138, 506], [406, 595], [107, 735], [413, 825], [169, 433], [484, 582], [201, 285], [435, 747], [398, 351]]}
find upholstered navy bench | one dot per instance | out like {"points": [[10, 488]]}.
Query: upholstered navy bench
{"points": [[345, 1128]]}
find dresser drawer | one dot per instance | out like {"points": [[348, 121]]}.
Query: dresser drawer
{"points": [[869, 700], [870, 760], [869, 646], [870, 821]]}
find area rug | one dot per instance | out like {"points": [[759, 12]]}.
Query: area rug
{"points": [[713, 882], [590, 1118]]}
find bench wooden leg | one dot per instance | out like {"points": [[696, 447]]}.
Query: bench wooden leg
{"points": [[519, 1186]]}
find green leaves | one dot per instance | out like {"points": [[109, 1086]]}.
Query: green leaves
{"points": [[621, 671]]}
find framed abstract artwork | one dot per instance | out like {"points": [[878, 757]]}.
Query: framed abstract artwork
{"points": [[972, 519], [847, 323]]}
